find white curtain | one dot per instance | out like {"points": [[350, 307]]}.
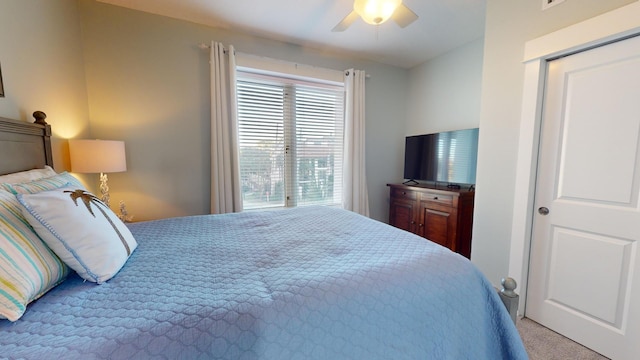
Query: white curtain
{"points": [[354, 188], [225, 171]]}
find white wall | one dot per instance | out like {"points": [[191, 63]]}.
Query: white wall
{"points": [[148, 84], [444, 93], [509, 24], [43, 69]]}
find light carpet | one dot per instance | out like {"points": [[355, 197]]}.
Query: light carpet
{"points": [[544, 344]]}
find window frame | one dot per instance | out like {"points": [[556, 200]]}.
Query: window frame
{"points": [[291, 84]]}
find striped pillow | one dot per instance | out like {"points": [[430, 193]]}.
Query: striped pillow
{"points": [[48, 183], [28, 268]]}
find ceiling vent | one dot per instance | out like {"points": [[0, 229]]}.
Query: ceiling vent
{"points": [[550, 3]]}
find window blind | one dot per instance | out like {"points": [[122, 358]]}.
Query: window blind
{"points": [[290, 138]]}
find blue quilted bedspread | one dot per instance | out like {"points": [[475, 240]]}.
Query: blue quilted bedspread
{"points": [[304, 283]]}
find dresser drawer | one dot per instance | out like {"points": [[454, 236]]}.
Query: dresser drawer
{"points": [[398, 194], [443, 199]]}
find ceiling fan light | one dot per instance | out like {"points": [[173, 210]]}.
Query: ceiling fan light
{"points": [[375, 12]]}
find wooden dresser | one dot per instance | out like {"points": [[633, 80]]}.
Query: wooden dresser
{"points": [[442, 215]]}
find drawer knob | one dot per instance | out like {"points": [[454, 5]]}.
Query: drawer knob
{"points": [[435, 198], [404, 193]]}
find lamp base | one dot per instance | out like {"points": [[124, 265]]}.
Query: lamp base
{"points": [[104, 189]]}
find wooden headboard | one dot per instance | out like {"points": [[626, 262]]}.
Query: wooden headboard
{"points": [[23, 145]]}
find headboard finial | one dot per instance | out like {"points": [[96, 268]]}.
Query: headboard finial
{"points": [[40, 116], [508, 287]]}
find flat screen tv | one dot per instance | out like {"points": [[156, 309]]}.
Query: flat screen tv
{"points": [[449, 157]]}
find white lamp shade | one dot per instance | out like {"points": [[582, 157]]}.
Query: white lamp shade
{"points": [[376, 12], [97, 156]]}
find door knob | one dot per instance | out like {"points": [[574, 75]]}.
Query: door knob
{"points": [[543, 210]]}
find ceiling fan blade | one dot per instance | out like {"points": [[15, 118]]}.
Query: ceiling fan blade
{"points": [[346, 22], [403, 16]]}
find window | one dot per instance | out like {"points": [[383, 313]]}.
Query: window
{"points": [[290, 140]]}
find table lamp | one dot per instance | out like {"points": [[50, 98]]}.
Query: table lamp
{"points": [[98, 156]]}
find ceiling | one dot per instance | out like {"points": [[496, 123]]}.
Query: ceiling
{"points": [[442, 25]]}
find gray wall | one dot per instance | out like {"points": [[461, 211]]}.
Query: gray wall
{"points": [[444, 93], [42, 68], [148, 84], [509, 25]]}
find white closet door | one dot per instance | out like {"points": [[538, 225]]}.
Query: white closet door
{"points": [[584, 271]]}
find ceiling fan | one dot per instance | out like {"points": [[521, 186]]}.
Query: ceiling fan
{"points": [[375, 12]]}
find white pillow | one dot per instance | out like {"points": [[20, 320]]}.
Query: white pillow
{"points": [[81, 230], [28, 175]]}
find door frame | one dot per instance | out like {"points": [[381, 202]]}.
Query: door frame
{"points": [[612, 26]]}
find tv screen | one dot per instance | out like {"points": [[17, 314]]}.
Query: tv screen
{"points": [[449, 157]]}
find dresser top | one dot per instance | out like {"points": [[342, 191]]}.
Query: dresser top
{"points": [[435, 188]]}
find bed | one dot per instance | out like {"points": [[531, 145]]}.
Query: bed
{"points": [[302, 283]]}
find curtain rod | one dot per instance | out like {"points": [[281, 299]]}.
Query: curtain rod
{"points": [[204, 46]]}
